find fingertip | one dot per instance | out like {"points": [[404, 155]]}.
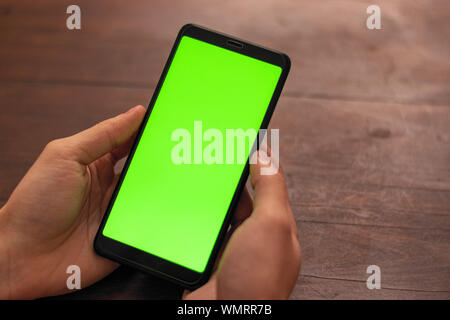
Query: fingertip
{"points": [[139, 109], [133, 115]]}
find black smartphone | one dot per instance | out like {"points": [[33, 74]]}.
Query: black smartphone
{"points": [[189, 163]]}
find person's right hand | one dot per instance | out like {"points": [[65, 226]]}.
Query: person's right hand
{"points": [[262, 257]]}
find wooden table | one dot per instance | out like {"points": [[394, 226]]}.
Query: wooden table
{"points": [[364, 122]]}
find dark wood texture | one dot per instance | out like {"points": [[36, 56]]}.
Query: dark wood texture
{"points": [[364, 122]]}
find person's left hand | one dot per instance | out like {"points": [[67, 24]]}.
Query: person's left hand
{"points": [[51, 218]]}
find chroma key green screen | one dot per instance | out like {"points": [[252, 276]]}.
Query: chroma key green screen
{"points": [[175, 211]]}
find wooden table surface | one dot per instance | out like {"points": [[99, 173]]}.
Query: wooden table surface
{"points": [[364, 122]]}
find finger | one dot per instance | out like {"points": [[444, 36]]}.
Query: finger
{"points": [[243, 209], [270, 192], [107, 166], [91, 144], [122, 150]]}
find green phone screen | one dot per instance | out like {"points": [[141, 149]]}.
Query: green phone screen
{"points": [[177, 191]]}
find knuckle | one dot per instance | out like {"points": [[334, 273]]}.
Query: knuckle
{"points": [[283, 225], [295, 230], [55, 147], [296, 242], [297, 252], [278, 223]]}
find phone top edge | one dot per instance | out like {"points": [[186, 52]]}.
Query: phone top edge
{"points": [[284, 60]]}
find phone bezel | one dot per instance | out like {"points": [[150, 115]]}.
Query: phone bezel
{"points": [[152, 264]]}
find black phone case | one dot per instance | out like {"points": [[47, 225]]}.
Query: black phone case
{"points": [[147, 262]]}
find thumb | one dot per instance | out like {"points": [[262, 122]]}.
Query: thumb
{"points": [[89, 145], [270, 192]]}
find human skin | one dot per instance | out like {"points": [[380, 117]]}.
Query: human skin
{"points": [[52, 216]]}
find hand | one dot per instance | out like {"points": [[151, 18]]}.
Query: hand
{"points": [[261, 258], [51, 218]]}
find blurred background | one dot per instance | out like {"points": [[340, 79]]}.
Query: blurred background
{"points": [[364, 122]]}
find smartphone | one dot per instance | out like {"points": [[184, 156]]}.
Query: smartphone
{"points": [[172, 205]]}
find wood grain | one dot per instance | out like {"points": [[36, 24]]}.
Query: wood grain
{"points": [[333, 54], [364, 122], [367, 163]]}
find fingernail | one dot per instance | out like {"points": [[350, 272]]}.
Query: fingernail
{"points": [[263, 157]]}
